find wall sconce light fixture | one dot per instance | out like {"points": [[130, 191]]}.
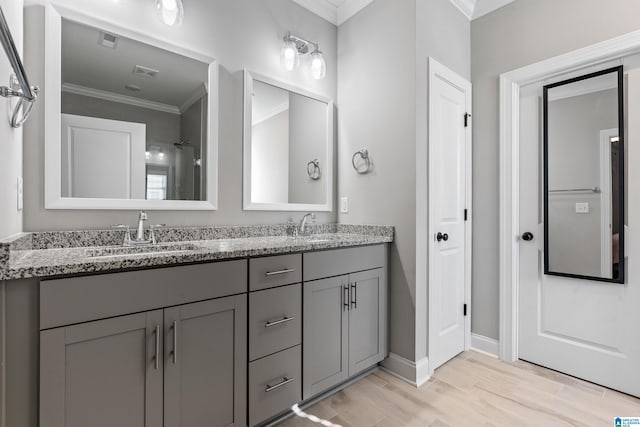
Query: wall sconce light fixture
{"points": [[170, 11], [293, 47]]}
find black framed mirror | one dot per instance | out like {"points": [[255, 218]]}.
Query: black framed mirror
{"points": [[584, 177]]}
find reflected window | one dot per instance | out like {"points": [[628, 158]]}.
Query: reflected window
{"points": [[156, 186]]}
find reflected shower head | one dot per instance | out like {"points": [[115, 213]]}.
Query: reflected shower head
{"points": [[181, 143]]}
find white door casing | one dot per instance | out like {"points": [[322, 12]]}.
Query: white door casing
{"points": [[587, 329], [120, 147], [449, 204]]}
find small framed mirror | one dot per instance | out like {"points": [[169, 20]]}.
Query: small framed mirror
{"points": [[131, 121], [288, 147], [584, 177]]}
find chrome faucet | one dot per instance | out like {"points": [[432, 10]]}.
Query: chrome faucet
{"points": [[303, 223], [140, 238], [142, 217]]}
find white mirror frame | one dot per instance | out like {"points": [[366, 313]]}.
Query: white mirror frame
{"points": [[53, 156], [249, 77]]}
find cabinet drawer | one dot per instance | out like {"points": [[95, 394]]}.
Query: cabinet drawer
{"points": [[274, 384], [81, 299], [318, 265], [275, 320], [274, 271]]}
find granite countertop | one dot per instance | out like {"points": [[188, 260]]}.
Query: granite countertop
{"points": [[62, 253]]}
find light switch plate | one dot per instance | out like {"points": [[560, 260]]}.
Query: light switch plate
{"points": [[344, 204], [582, 208], [20, 193]]}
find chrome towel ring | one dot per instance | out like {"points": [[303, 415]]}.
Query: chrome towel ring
{"points": [[313, 169], [365, 166]]}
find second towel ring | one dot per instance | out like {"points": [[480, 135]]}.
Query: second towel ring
{"points": [[366, 166], [313, 169]]}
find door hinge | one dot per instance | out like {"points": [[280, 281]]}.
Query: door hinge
{"points": [[466, 214], [467, 116], [465, 309]]}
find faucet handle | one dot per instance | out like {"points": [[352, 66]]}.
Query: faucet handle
{"points": [[127, 234], [152, 232], [142, 216]]}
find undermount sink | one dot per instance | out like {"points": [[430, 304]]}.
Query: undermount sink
{"points": [[139, 250]]}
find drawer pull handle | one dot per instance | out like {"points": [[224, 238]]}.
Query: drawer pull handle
{"points": [[282, 383], [354, 295], [278, 322], [276, 273], [156, 357]]}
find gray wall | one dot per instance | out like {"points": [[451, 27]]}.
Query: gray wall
{"points": [[522, 33], [382, 97], [11, 158], [211, 27]]}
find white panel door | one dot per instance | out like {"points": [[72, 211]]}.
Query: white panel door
{"points": [[583, 328], [449, 146], [102, 158]]}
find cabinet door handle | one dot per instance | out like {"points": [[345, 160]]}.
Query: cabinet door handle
{"points": [[276, 273], [345, 298], [278, 322], [354, 295], [282, 383], [156, 357], [174, 353]]}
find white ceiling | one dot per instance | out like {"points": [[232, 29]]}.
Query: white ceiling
{"points": [[87, 64], [338, 11]]}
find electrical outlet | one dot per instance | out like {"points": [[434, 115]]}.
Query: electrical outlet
{"points": [[582, 208], [20, 193], [344, 205]]}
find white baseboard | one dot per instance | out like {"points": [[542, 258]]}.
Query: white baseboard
{"points": [[485, 345], [414, 373]]}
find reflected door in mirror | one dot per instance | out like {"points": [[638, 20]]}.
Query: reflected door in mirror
{"points": [[584, 180]]}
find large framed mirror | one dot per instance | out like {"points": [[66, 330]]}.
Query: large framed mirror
{"points": [[584, 177], [130, 121], [288, 147]]}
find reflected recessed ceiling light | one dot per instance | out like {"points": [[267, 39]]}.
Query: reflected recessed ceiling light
{"points": [[171, 11]]}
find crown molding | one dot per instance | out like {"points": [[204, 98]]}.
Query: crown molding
{"points": [[322, 8], [483, 7], [116, 97], [337, 15], [349, 8], [465, 6]]}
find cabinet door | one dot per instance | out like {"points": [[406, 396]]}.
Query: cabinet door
{"points": [[103, 373], [367, 319], [325, 307], [206, 363]]}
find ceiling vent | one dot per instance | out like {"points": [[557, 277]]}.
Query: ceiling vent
{"points": [[133, 88], [108, 40], [139, 70]]}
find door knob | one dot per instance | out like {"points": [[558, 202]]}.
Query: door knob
{"points": [[527, 237], [440, 237]]}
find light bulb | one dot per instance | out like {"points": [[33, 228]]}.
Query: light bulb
{"points": [[171, 11], [161, 155], [289, 58], [318, 66]]}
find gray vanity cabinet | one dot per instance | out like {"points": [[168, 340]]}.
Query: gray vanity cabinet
{"points": [[326, 334], [205, 363], [183, 364], [103, 373], [345, 316]]}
